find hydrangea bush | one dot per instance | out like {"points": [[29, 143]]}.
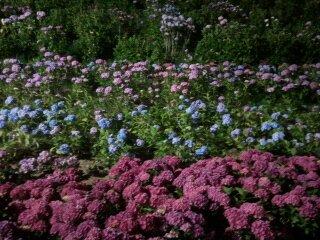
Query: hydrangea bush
{"points": [[253, 196], [189, 110]]}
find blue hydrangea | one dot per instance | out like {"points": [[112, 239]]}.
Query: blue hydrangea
{"points": [[54, 108], [26, 108], [33, 114], [195, 106], [64, 149], [119, 116], [201, 151], [144, 112], [139, 142], [235, 133], [70, 118], [266, 126], [38, 102], [112, 149], [134, 113], [52, 123], [24, 128], [60, 105], [44, 128], [2, 124], [9, 100], [171, 135], [221, 107], [226, 119], [4, 112], [22, 113], [13, 117], [49, 114], [250, 140], [111, 139], [189, 143], [195, 115], [141, 107], [122, 135], [176, 140], [104, 123], [181, 107], [275, 115], [263, 142], [214, 128], [277, 136]]}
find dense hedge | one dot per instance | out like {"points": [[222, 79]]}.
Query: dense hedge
{"points": [[253, 196]]}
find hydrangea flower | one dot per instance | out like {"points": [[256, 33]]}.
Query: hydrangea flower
{"points": [[104, 123], [201, 151], [176, 140], [2, 124], [266, 126], [189, 143], [64, 149], [235, 133], [139, 142], [226, 119], [214, 128], [70, 118], [221, 107], [9, 100], [277, 136], [112, 149], [122, 135]]}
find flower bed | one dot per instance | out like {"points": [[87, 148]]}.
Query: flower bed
{"points": [[255, 195]]}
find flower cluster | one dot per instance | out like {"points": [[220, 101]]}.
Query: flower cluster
{"points": [[173, 19], [44, 161], [25, 12], [159, 198]]}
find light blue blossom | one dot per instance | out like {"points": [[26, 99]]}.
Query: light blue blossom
{"points": [[201, 151], [139, 142], [44, 128], [250, 140], [111, 139], [277, 136], [214, 128], [64, 149], [226, 119], [122, 135], [52, 123], [2, 124], [119, 116], [275, 115], [70, 118], [24, 128], [195, 115], [38, 102], [176, 140], [263, 142], [181, 107], [235, 133], [9, 100], [134, 113], [221, 107], [112, 149], [171, 135], [266, 126], [104, 123], [189, 143], [33, 114]]}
